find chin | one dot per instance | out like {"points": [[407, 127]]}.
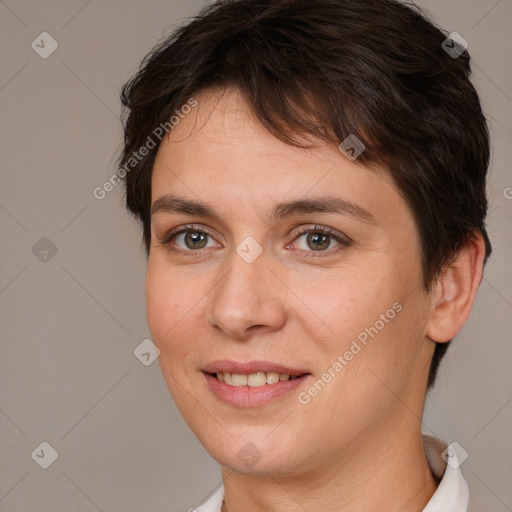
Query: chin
{"points": [[255, 454]]}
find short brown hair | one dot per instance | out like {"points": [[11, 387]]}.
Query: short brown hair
{"points": [[331, 68]]}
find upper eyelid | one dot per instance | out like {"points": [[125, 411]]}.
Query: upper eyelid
{"points": [[183, 229]]}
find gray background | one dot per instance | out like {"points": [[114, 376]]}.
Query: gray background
{"points": [[70, 324]]}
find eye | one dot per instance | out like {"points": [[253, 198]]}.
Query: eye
{"points": [[187, 239], [319, 239]]}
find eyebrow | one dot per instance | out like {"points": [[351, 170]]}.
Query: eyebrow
{"points": [[170, 203]]}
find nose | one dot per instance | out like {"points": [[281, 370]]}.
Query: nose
{"points": [[249, 299]]}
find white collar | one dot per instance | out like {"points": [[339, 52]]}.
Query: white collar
{"points": [[452, 494]]}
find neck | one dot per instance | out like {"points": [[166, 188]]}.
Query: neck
{"points": [[385, 471]]}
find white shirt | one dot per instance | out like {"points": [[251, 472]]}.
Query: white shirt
{"points": [[452, 494]]}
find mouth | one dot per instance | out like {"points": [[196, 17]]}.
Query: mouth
{"points": [[252, 384]]}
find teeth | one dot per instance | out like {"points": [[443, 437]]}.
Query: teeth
{"points": [[256, 379], [272, 377], [238, 380], [253, 379]]}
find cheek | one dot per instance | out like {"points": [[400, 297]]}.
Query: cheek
{"points": [[169, 312], [159, 307], [367, 313], [167, 305], [175, 302], [340, 305]]}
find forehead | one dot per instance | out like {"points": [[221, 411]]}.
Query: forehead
{"points": [[220, 150]]}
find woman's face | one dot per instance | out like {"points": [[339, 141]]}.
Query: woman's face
{"points": [[256, 288]]}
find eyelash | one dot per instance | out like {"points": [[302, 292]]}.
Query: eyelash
{"points": [[343, 241]]}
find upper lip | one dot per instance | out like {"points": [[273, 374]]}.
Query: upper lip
{"points": [[227, 366]]}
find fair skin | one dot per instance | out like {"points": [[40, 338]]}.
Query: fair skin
{"points": [[356, 446]]}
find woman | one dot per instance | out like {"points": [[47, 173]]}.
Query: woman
{"points": [[310, 179]]}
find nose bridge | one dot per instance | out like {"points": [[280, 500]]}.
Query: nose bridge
{"points": [[247, 295]]}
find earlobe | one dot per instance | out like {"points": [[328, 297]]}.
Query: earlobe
{"points": [[455, 291]]}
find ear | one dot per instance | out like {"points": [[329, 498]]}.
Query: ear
{"points": [[455, 291]]}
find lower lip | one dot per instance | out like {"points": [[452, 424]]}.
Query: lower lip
{"points": [[248, 396]]}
